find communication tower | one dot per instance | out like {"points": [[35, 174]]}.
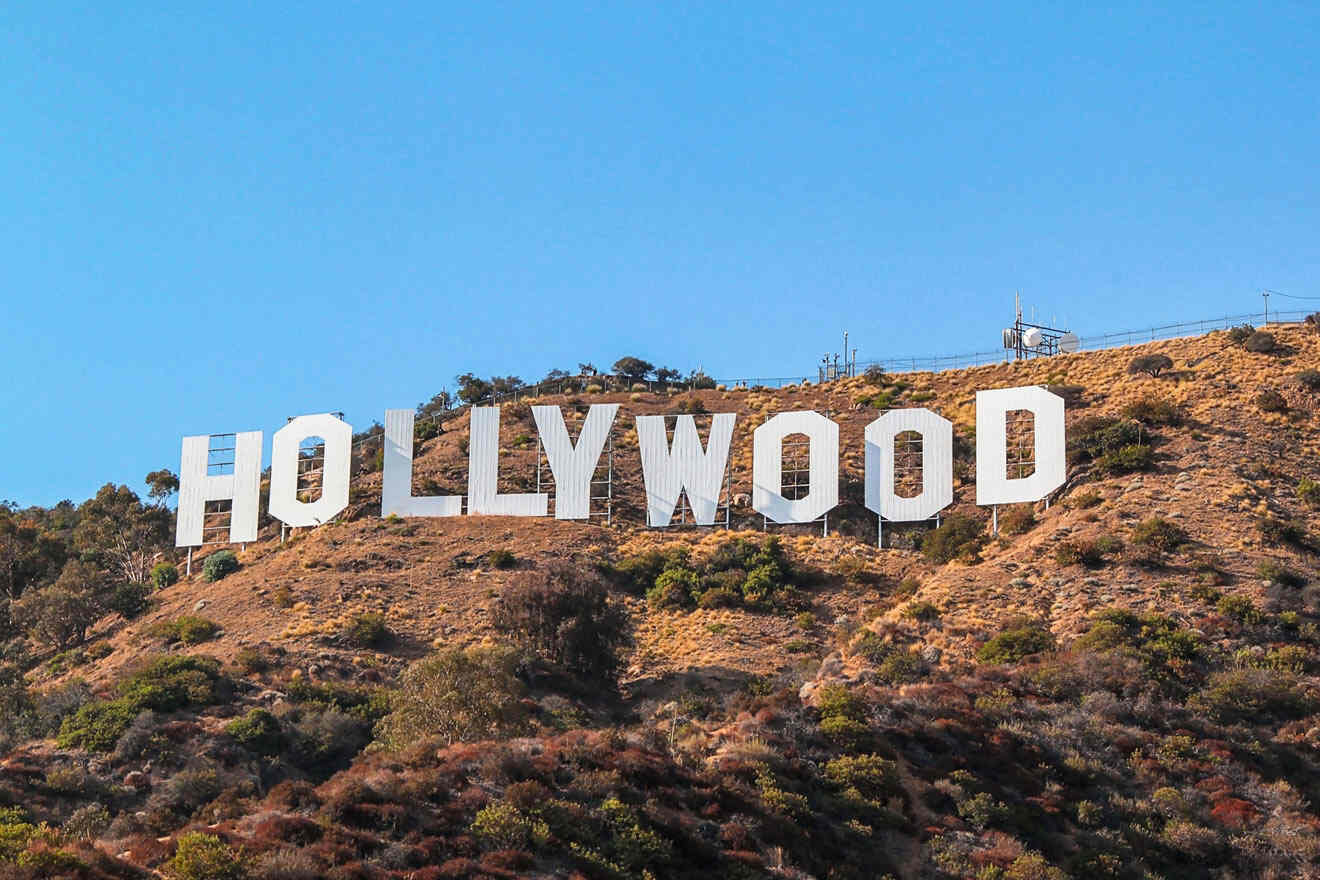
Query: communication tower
{"points": [[836, 366], [1027, 339]]}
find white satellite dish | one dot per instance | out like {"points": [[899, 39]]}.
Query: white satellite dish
{"points": [[1032, 338], [1068, 342]]}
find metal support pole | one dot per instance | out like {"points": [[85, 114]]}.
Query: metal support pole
{"points": [[880, 532], [994, 520], [188, 569]]}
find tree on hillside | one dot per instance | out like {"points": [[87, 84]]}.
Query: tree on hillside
{"points": [[161, 485], [60, 615], [119, 533], [439, 403], [563, 615], [456, 695], [506, 384], [666, 375], [698, 379], [29, 554], [471, 388], [1151, 364], [632, 369], [587, 369]]}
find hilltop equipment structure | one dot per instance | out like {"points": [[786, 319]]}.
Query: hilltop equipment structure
{"points": [[1027, 340]]}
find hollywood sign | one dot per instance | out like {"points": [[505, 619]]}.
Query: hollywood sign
{"points": [[669, 467]]}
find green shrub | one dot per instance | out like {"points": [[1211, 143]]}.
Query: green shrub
{"points": [[130, 600], [1260, 342], [190, 629], [201, 856], [1308, 492], [637, 574], [871, 775], [502, 558], [16, 833], [258, 730], [1278, 531], [900, 667], [368, 704], [837, 701], [1269, 570], [1271, 401], [174, 681], [164, 574], [921, 611], [501, 826], [844, 731], [1154, 410], [1240, 608], [1164, 648], [1251, 695], [367, 631], [251, 661], [958, 537], [1092, 554], [674, 588], [1020, 639], [96, 727], [219, 564], [1091, 437], [1159, 535], [981, 810], [739, 571], [1308, 379], [1126, 459], [1240, 334], [86, 823]]}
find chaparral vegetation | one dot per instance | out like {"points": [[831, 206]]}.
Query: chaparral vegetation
{"points": [[1121, 681]]}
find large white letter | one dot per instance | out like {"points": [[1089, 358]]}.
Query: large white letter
{"points": [[768, 467], [936, 465], [484, 471], [196, 487], [993, 485], [573, 466], [396, 495], [284, 503], [685, 467]]}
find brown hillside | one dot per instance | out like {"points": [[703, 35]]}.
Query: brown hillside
{"points": [[1217, 475]]}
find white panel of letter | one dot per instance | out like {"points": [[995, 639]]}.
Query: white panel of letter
{"points": [[768, 461], [396, 495], [284, 459], [993, 485], [936, 465], [683, 467]]}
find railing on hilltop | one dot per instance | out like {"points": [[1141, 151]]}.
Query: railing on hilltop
{"points": [[1116, 339]]}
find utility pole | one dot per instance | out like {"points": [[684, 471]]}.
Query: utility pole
{"points": [[1266, 294]]}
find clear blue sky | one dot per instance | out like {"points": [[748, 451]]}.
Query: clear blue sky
{"points": [[216, 216]]}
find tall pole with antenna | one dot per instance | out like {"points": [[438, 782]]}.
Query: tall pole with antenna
{"points": [[1266, 294]]}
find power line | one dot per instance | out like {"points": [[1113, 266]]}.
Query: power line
{"points": [[1291, 296]]}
